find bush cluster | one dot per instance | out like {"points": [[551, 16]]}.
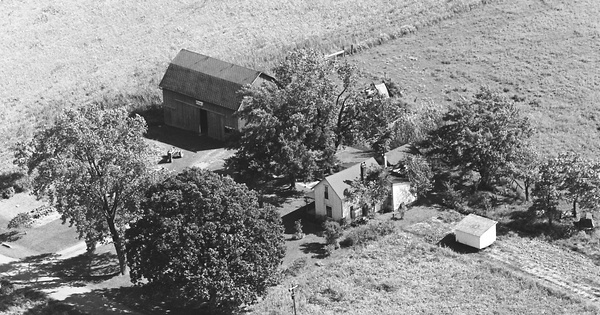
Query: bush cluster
{"points": [[368, 233], [12, 183], [22, 219], [8, 192]]}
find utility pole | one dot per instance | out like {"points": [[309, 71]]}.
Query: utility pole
{"points": [[291, 289]]}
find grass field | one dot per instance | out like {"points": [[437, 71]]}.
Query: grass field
{"points": [[57, 54], [547, 52], [403, 274]]}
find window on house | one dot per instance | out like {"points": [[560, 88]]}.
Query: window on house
{"points": [[329, 211], [326, 192]]}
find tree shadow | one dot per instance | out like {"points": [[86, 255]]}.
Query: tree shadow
{"points": [[309, 226], [87, 267], [10, 236], [125, 300], [15, 296], [449, 241], [182, 139], [46, 271], [277, 192], [526, 224], [54, 307], [318, 249]]}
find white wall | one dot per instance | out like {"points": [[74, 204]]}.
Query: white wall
{"points": [[334, 202], [467, 239], [401, 193], [488, 237], [479, 242]]}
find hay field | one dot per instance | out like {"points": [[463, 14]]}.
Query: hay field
{"points": [[60, 53], [545, 53]]}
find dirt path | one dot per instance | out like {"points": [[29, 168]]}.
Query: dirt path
{"points": [[554, 266]]}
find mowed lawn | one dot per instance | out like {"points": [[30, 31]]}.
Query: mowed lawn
{"points": [[50, 237], [403, 274], [546, 54]]}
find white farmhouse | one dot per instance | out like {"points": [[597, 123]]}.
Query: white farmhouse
{"points": [[476, 231], [330, 200]]}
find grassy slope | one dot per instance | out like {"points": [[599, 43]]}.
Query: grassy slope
{"points": [[547, 51], [68, 52], [403, 274]]}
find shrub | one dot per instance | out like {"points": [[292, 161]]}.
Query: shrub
{"points": [[368, 233], [332, 231], [296, 267], [420, 175], [17, 180], [8, 192], [299, 234], [22, 219], [344, 223], [452, 198], [41, 212], [329, 248]]}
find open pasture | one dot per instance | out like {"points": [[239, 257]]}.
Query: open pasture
{"points": [[543, 54], [66, 53]]}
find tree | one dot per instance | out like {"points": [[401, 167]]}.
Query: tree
{"points": [[525, 169], [546, 191], [92, 164], [287, 130], [419, 174], [580, 180], [333, 232], [371, 190], [483, 135], [294, 126], [203, 238]]}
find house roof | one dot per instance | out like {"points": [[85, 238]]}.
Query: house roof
{"points": [[474, 225], [399, 154], [208, 79], [340, 181]]}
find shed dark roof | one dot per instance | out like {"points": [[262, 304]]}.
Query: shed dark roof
{"points": [[208, 79], [340, 181], [475, 225]]}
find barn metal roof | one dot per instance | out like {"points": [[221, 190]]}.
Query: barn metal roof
{"points": [[475, 225], [208, 79], [340, 181]]}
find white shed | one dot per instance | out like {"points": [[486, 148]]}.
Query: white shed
{"points": [[476, 231]]}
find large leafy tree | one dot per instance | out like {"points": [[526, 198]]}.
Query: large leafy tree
{"points": [[579, 180], [419, 174], [295, 126], [370, 189], [204, 238], [483, 135], [92, 164], [546, 192], [525, 169]]}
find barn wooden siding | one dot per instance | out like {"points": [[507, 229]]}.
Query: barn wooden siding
{"points": [[200, 93]]}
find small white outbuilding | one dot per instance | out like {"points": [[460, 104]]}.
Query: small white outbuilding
{"points": [[476, 231]]}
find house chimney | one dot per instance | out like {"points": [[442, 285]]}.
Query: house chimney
{"points": [[363, 166], [385, 163]]}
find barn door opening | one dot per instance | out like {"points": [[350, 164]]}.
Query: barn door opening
{"points": [[203, 122]]}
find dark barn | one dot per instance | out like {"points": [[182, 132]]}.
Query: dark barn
{"points": [[200, 93]]}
